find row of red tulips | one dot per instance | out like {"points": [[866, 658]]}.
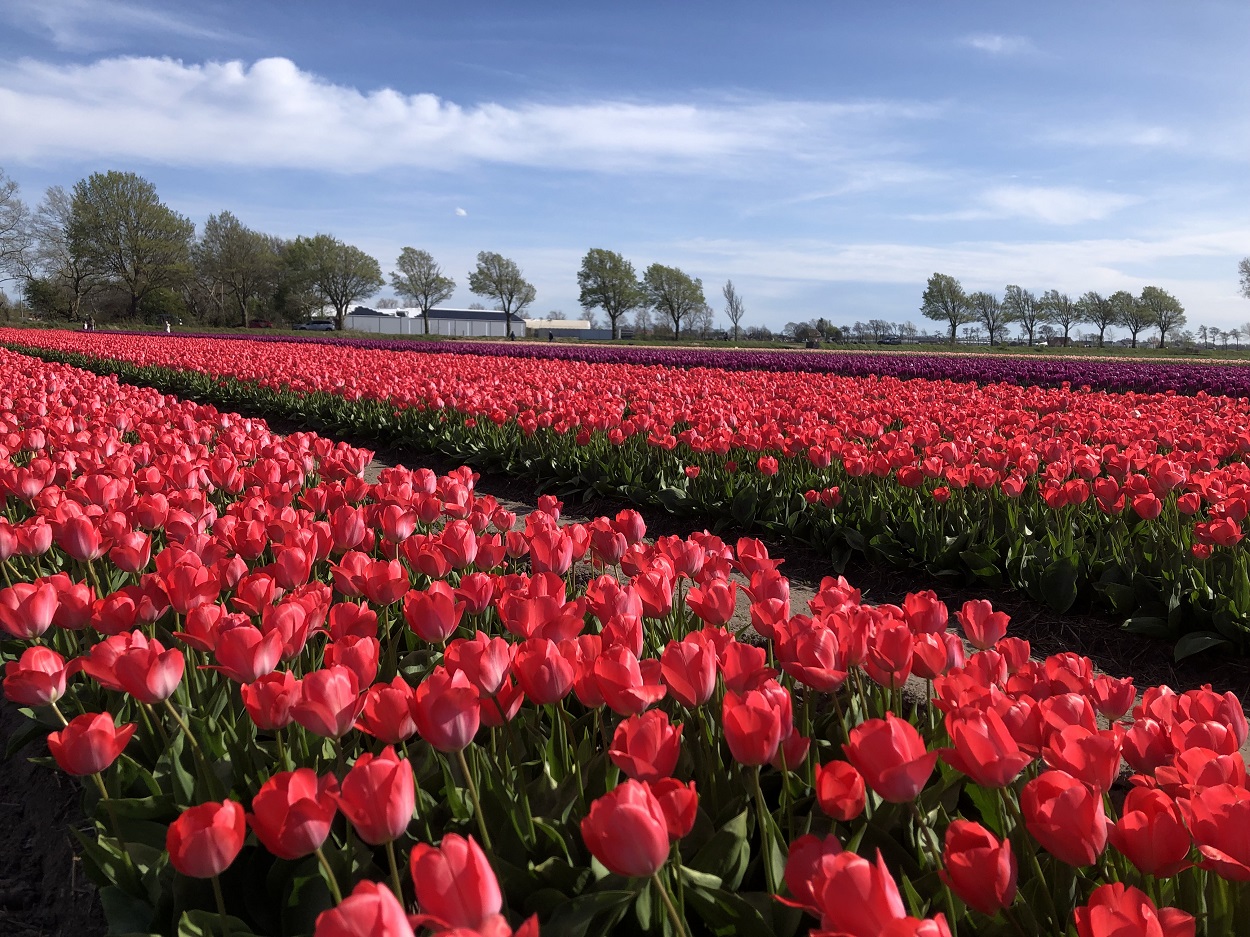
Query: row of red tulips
{"points": [[1136, 502], [289, 686]]}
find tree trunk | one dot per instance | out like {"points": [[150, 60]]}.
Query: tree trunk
{"points": [[954, 325], [340, 317], [425, 318], [134, 307], [1100, 334], [616, 329]]}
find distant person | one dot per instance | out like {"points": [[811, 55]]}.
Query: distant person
{"points": [[167, 330], [551, 336]]}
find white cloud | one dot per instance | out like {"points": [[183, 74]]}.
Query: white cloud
{"points": [[89, 25], [996, 44], [272, 114], [461, 212], [1058, 205]]}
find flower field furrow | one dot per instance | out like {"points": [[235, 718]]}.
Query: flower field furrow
{"points": [[304, 703], [1135, 502], [1150, 377]]}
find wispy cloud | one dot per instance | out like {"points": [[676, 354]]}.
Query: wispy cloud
{"points": [[1057, 205], [460, 212], [93, 25], [272, 114], [997, 44]]}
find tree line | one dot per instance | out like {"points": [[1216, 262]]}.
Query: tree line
{"points": [[946, 301], [111, 249]]}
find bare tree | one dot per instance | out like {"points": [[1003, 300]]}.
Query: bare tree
{"points": [[1019, 305], [418, 278], [1243, 272], [734, 308], [989, 311], [55, 255], [14, 229]]}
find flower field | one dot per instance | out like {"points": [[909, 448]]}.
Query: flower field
{"points": [[1133, 502], [301, 702]]}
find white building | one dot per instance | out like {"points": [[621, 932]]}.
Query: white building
{"points": [[467, 323]]}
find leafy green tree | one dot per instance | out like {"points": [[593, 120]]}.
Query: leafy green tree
{"points": [[944, 300], [498, 278], [241, 263], [608, 282], [674, 294], [1243, 272], [418, 278], [1099, 312], [337, 274], [1020, 305], [123, 230], [1131, 314], [989, 312], [1059, 309], [1165, 311]]}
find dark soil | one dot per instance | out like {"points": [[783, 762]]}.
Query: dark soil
{"points": [[43, 890]]}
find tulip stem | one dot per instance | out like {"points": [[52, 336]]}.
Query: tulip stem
{"points": [[330, 878], [221, 906], [679, 926], [1018, 823], [477, 804], [60, 715], [765, 832], [214, 785], [395, 884], [114, 822]]}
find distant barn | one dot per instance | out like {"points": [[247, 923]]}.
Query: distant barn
{"points": [[466, 323]]}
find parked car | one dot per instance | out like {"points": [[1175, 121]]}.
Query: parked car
{"points": [[890, 340], [319, 325], [260, 324]]}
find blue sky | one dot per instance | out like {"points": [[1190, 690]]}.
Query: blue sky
{"points": [[825, 156]]}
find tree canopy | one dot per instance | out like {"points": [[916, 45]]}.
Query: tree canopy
{"points": [[944, 300], [498, 278], [673, 293], [608, 282], [242, 263], [337, 273], [123, 230], [1164, 310], [418, 278]]}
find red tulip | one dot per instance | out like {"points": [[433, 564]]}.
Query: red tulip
{"points": [[1092, 757], [754, 724], [1064, 816], [891, 756], [982, 626], [714, 601], [858, 898], [543, 672], [840, 790], [204, 840], [147, 671], [371, 910], [89, 744], [979, 868], [626, 830], [269, 699], [446, 710], [329, 702], [27, 609], [387, 713], [620, 679], [680, 804], [455, 885], [1218, 817], [37, 678], [360, 655], [378, 796], [984, 749], [688, 669], [292, 812], [646, 747], [1151, 833], [808, 865], [1119, 910]]}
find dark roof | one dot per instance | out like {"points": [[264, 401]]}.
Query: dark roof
{"points": [[442, 312]]}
